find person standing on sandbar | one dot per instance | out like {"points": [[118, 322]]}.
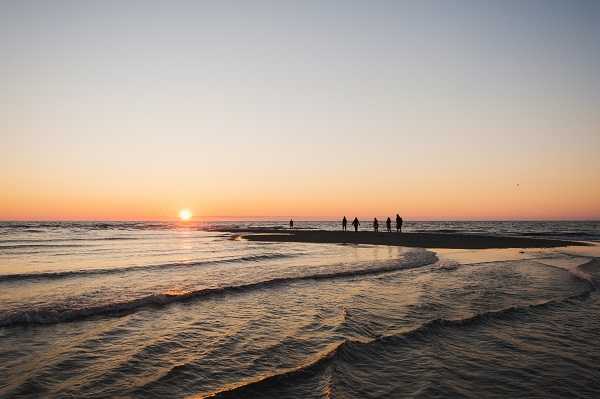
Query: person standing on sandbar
{"points": [[375, 225], [291, 224], [398, 223], [344, 223], [355, 223], [388, 224]]}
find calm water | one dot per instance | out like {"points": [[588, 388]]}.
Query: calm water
{"points": [[169, 310]]}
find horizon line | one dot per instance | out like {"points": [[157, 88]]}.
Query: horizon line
{"points": [[287, 218]]}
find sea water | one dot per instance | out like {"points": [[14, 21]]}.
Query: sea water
{"points": [[148, 309]]}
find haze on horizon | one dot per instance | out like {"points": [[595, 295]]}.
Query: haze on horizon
{"points": [[438, 110]]}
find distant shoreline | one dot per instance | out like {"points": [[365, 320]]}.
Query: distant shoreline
{"points": [[421, 240]]}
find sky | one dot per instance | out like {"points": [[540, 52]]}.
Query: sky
{"points": [[437, 110]]}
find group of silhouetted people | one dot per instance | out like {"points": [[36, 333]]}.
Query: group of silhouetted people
{"points": [[356, 223], [388, 224]]}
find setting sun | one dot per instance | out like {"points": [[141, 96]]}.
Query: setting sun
{"points": [[185, 214]]}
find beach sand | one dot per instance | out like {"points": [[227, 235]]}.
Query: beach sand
{"points": [[421, 240]]}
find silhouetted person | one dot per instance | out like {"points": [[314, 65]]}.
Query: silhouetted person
{"points": [[398, 223], [355, 223], [291, 224], [344, 223], [388, 224], [375, 225]]}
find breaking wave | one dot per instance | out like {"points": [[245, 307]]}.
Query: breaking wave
{"points": [[349, 347], [60, 315], [94, 272]]}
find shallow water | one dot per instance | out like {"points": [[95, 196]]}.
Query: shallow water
{"points": [[155, 310]]}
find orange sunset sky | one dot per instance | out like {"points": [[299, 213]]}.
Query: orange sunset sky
{"points": [[133, 112]]}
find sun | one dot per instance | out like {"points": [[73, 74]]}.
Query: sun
{"points": [[185, 214]]}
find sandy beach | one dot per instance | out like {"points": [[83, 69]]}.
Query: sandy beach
{"points": [[413, 240]]}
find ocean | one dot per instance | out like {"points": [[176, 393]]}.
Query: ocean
{"points": [[158, 309]]}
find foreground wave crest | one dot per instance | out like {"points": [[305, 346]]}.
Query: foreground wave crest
{"points": [[53, 316], [348, 347]]}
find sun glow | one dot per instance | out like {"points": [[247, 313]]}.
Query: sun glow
{"points": [[185, 214]]}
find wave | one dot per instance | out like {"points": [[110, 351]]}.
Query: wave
{"points": [[55, 316], [165, 266], [557, 234], [346, 347], [50, 240], [439, 231], [39, 227], [29, 246], [578, 271], [308, 369]]}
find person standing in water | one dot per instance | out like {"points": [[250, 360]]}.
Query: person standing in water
{"points": [[291, 224], [398, 223], [375, 225], [388, 224], [355, 223], [344, 223]]}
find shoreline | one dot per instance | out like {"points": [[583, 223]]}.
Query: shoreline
{"points": [[419, 240]]}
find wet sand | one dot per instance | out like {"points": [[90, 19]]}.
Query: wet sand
{"points": [[421, 240]]}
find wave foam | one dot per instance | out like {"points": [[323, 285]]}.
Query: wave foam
{"points": [[54, 316]]}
